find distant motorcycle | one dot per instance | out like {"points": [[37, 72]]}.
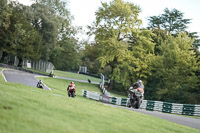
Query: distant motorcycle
{"points": [[135, 98], [40, 84], [71, 91]]}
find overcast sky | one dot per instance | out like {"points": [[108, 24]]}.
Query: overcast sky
{"points": [[84, 10]]}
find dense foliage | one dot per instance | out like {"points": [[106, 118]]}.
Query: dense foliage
{"points": [[40, 31]]}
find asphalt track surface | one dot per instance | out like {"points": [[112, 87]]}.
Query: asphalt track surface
{"points": [[183, 120], [21, 77], [30, 80]]}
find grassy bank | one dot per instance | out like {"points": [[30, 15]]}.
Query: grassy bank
{"points": [[37, 71], [59, 86], [75, 76], [84, 77], [26, 109]]}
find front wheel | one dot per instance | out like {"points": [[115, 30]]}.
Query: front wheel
{"points": [[73, 94], [139, 100], [129, 103], [69, 93]]}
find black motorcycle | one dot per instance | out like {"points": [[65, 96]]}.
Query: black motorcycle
{"points": [[40, 84], [135, 98]]}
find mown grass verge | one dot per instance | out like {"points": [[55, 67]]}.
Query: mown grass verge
{"points": [[26, 109], [75, 76], [37, 71], [83, 77]]}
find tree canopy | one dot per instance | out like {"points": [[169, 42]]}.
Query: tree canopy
{"points": [[122, 44], [172, 22], [40, 31]]}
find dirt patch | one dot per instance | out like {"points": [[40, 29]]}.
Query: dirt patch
{"points": [[7, 107]]}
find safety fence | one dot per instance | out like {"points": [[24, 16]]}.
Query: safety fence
{"points": [[103, 89], [182, 109], [39, 65], [175, 108], [103, 98]]}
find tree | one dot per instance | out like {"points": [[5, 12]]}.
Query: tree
{"points": [[18, 37], [5, 14], [155, 24], [171, 21], [122, 45], [175, 71], [65, 55], [51, 19], [90, 56], [196, 43], [23, 39]]}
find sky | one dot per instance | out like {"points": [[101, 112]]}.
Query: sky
{"points": [[83, 11]]}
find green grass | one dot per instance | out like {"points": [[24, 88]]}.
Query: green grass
{"points": [[82, 77], [26, 109], [37, 71], [75, 76], [59, 86], [118, 94]]}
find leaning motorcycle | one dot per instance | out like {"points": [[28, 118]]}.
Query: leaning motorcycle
{"points": [[71, 91], [135, 98], [40, 85]]}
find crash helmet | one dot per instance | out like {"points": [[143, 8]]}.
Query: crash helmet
{"points": [[72, 82], [140, 81]]}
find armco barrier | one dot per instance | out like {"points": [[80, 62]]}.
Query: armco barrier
{"points": [[84, 93], [91, 95], [113, 100], [101, 85], [188, 109], [158, 106], [124, 101], [166, 107], [144, 104], [94, 96], [105, 99], [150, 105]]}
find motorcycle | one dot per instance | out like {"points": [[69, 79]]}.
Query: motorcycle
{"points": [[135, 98], [71, 91], [40, 85]]}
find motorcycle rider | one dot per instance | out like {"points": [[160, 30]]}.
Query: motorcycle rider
{"points": [[137, 87], [72, 85], [40, 84]]}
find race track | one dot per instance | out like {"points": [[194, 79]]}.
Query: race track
{"points": [[21, 77], [179, 119]]}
